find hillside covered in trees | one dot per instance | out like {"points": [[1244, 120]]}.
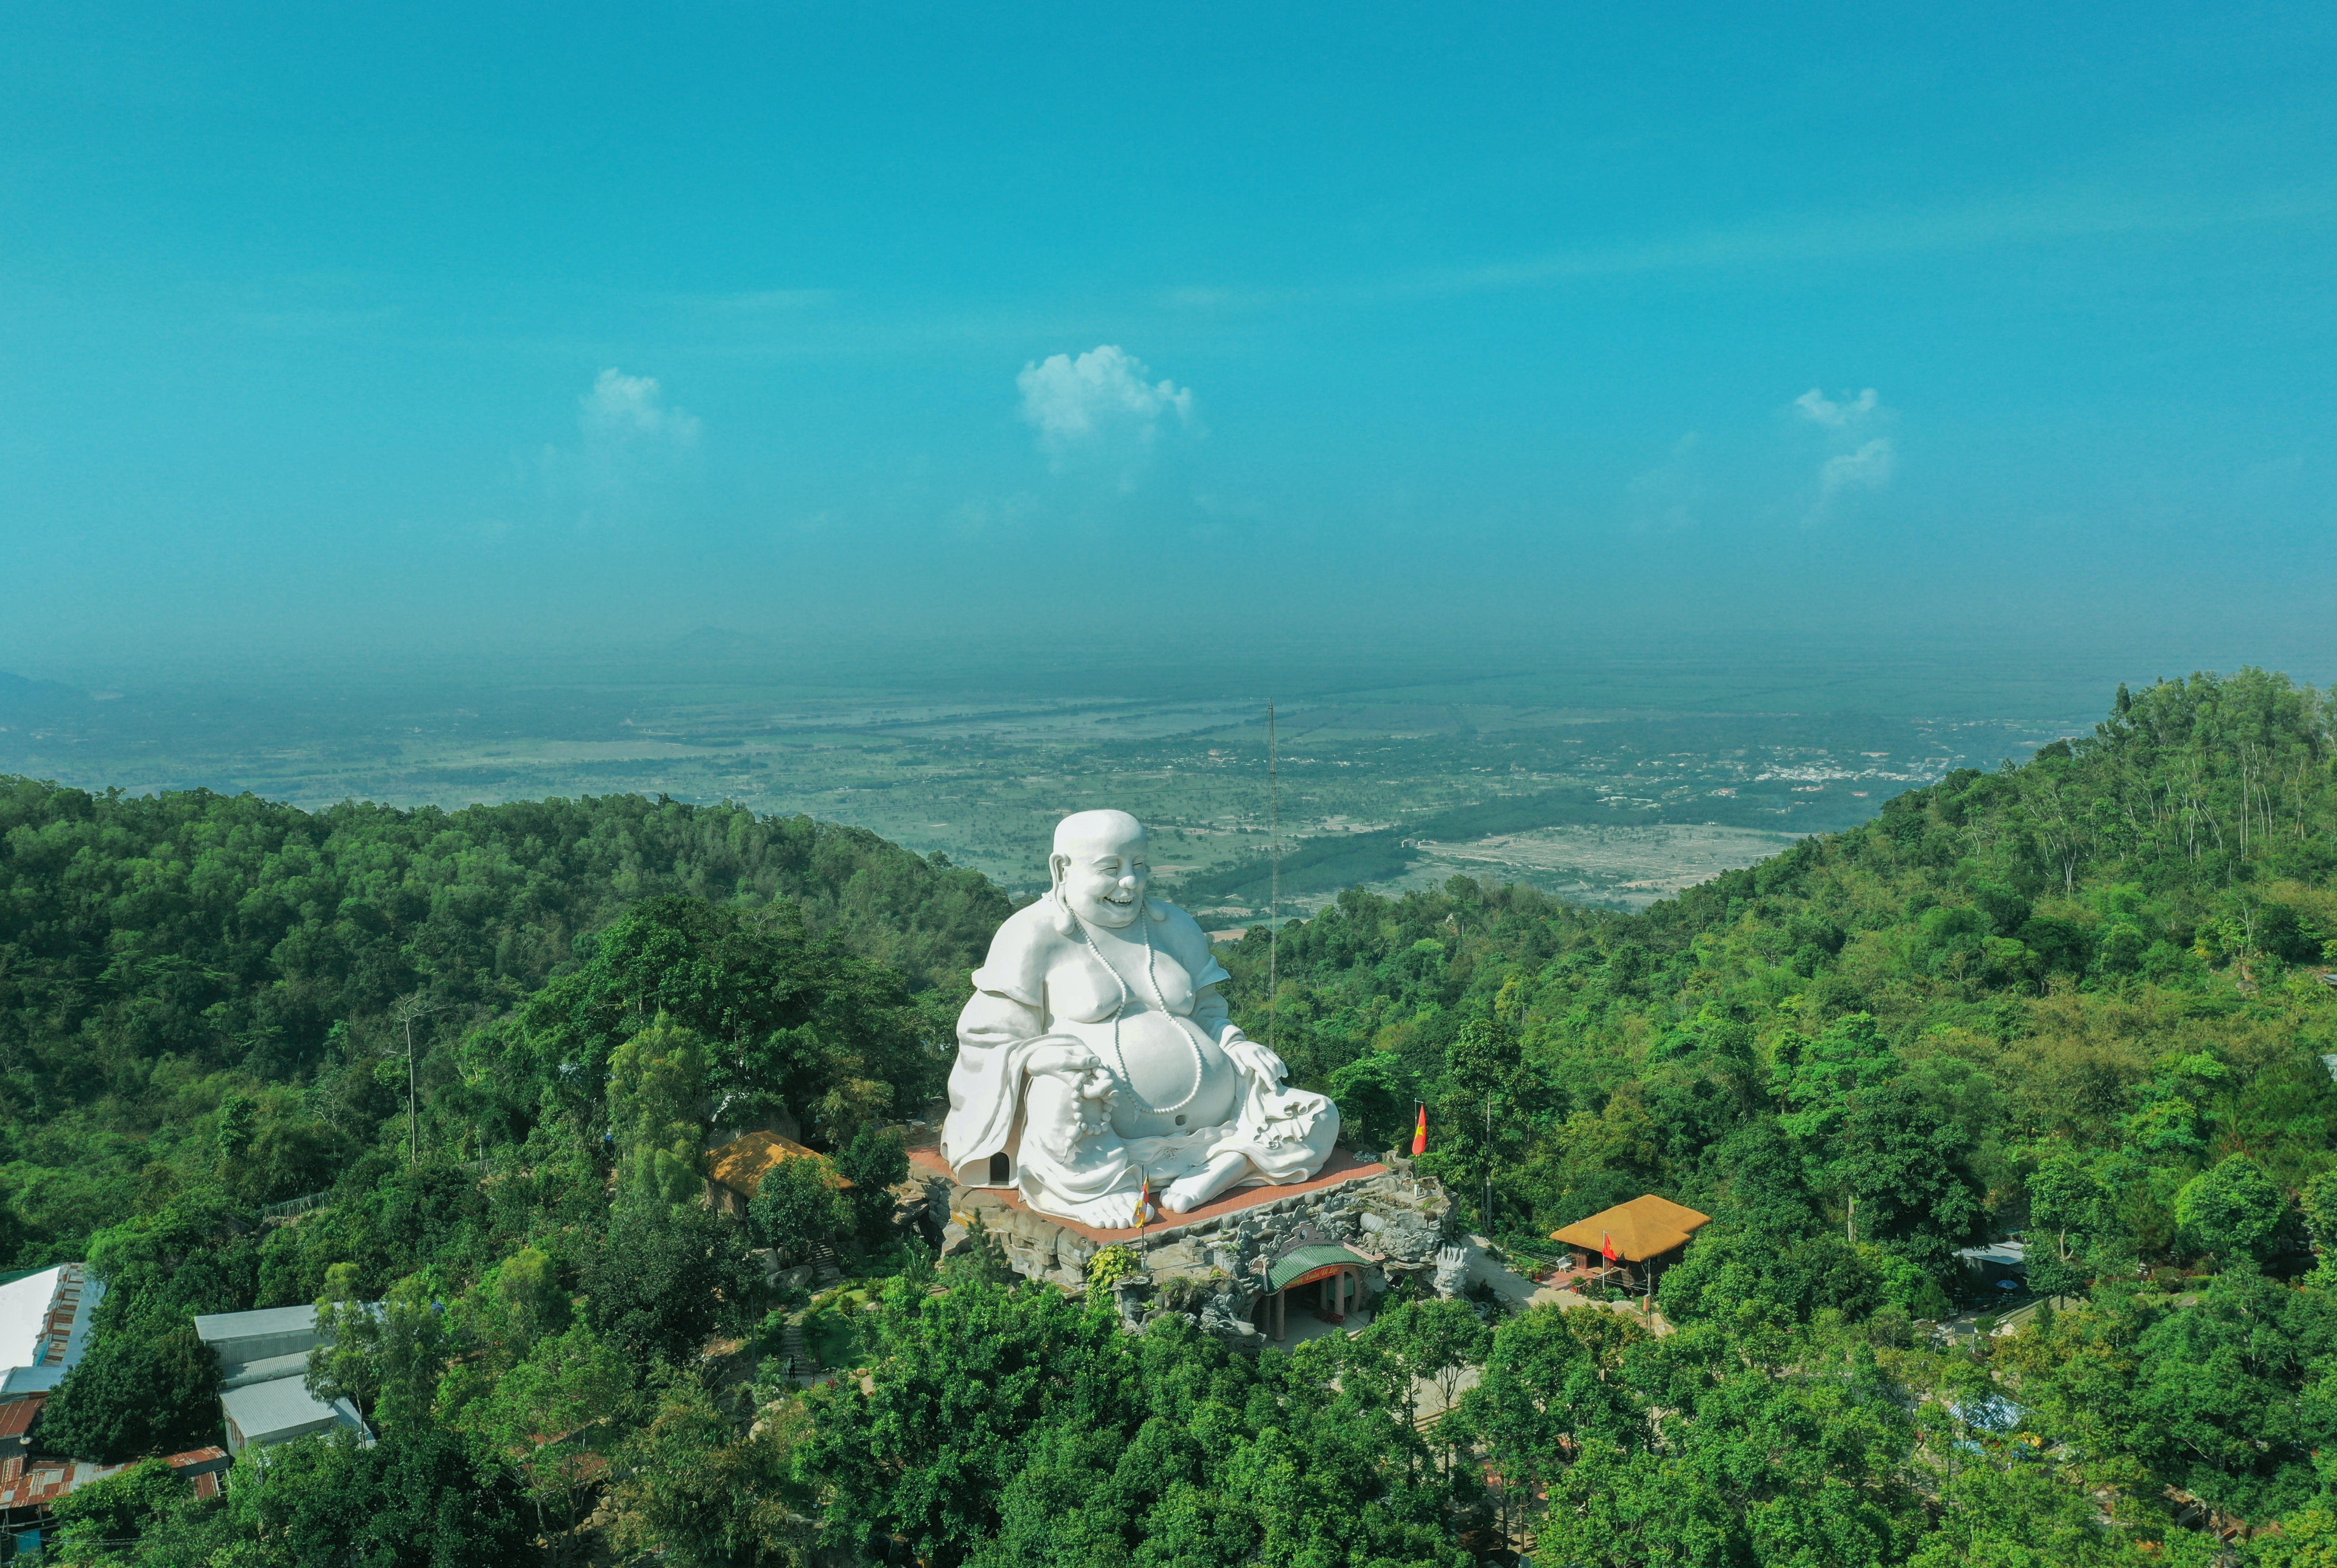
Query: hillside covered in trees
{"points": [[2081, 999]]}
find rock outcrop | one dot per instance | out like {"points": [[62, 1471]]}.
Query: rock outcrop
{"points": [[1215, 1270]]}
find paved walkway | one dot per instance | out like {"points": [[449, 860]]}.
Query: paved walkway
{"points": [[1521, 1292]]}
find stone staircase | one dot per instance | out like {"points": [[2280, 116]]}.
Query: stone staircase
{"points": [[797, 1352]]}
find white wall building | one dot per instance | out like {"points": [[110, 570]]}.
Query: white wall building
{"points": [[44, 1318]]}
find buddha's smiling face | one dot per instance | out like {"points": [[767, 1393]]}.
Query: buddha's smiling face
{"points": [[1103, 879]]}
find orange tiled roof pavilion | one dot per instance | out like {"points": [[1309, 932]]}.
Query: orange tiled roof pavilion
{"points": [[1645, 1227]]}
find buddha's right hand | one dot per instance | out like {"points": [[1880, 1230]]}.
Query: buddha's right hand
{"points": [[1063, 1058]]}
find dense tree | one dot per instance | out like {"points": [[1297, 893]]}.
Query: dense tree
{"points": [[799, 1210], [1024, 1426], [2073, 998], [2231, 1210], [664, 1278], [875, 1160], [787, 1020], [690, 1489], [411, 1500]]}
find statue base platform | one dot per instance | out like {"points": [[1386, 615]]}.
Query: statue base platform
{"points": [[1338, 1170], [1217, 1263]]}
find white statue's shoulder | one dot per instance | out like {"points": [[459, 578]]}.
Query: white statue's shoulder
{"points": [[1026, 945], [1181, 936]]}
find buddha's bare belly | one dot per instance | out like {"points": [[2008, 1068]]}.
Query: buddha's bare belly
{"points": [[1157, 1051]]}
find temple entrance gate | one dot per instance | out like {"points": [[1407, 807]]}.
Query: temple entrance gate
{"points": [[1331, 1273]]}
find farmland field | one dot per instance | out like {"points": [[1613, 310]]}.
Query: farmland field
{"points": [[1612, 790]]}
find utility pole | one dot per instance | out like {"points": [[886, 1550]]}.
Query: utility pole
{"points": [[1274, 907], [1851, 1224], [407, 1010], [1488, 1215]]}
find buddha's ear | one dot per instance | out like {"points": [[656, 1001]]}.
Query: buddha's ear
{"points": [[1157, 909], [1059, 914]]}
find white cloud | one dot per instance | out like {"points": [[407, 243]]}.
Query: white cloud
{"points": [[1103, 395], [634, 447], [1819, 409], [1868, 468], [1860, 459], [624, 410]]}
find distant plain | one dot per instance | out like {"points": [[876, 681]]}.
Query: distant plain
{"points": [[1604, 778]]}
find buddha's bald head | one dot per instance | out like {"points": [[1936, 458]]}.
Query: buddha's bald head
{"points": [[1099, 866], [1093, 830]]}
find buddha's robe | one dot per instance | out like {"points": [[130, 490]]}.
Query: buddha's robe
{"points": [[1044, 984]]}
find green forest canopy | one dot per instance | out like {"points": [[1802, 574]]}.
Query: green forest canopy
{"points": [[2081, 998]]}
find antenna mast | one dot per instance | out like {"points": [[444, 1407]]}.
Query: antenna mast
{"points": [[1274, 908]]}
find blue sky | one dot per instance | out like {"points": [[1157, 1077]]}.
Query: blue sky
{"points": [[341, 332]]}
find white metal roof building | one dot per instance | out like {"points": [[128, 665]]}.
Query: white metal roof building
{"points": [[263, 1376], [44, 1318], [279, 1409], [244, 1337]]}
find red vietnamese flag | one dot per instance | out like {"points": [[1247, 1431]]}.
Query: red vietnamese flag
{"points": [[1420, 1133], [1607, 1249]]}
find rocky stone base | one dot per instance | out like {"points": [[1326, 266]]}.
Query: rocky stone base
{"points": [[1214, 1270]]}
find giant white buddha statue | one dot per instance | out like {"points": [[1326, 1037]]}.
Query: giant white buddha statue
{"points": [[1097, 1056]]}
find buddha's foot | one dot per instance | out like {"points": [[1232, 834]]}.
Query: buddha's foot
{"points": [[1185, 1195]]}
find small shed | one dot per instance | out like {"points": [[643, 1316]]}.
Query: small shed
{"points": [[1647, 1235], [279, 1410], [735, 1171], [263, 1375]]}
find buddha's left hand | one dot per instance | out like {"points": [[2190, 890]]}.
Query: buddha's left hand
{"points": [[1255, 1062]]}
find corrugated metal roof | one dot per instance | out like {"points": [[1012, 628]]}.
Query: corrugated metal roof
{"points": [[26, 1306], [272, 1412], [2009, 1253], [16, 1415], [212, 1328], [1641, 1228], [1306, 1259], [37, 1485], [264, 1370]]}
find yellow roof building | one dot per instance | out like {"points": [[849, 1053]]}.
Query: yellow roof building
{"points": [[743, 1162], [1645, 1228]]}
